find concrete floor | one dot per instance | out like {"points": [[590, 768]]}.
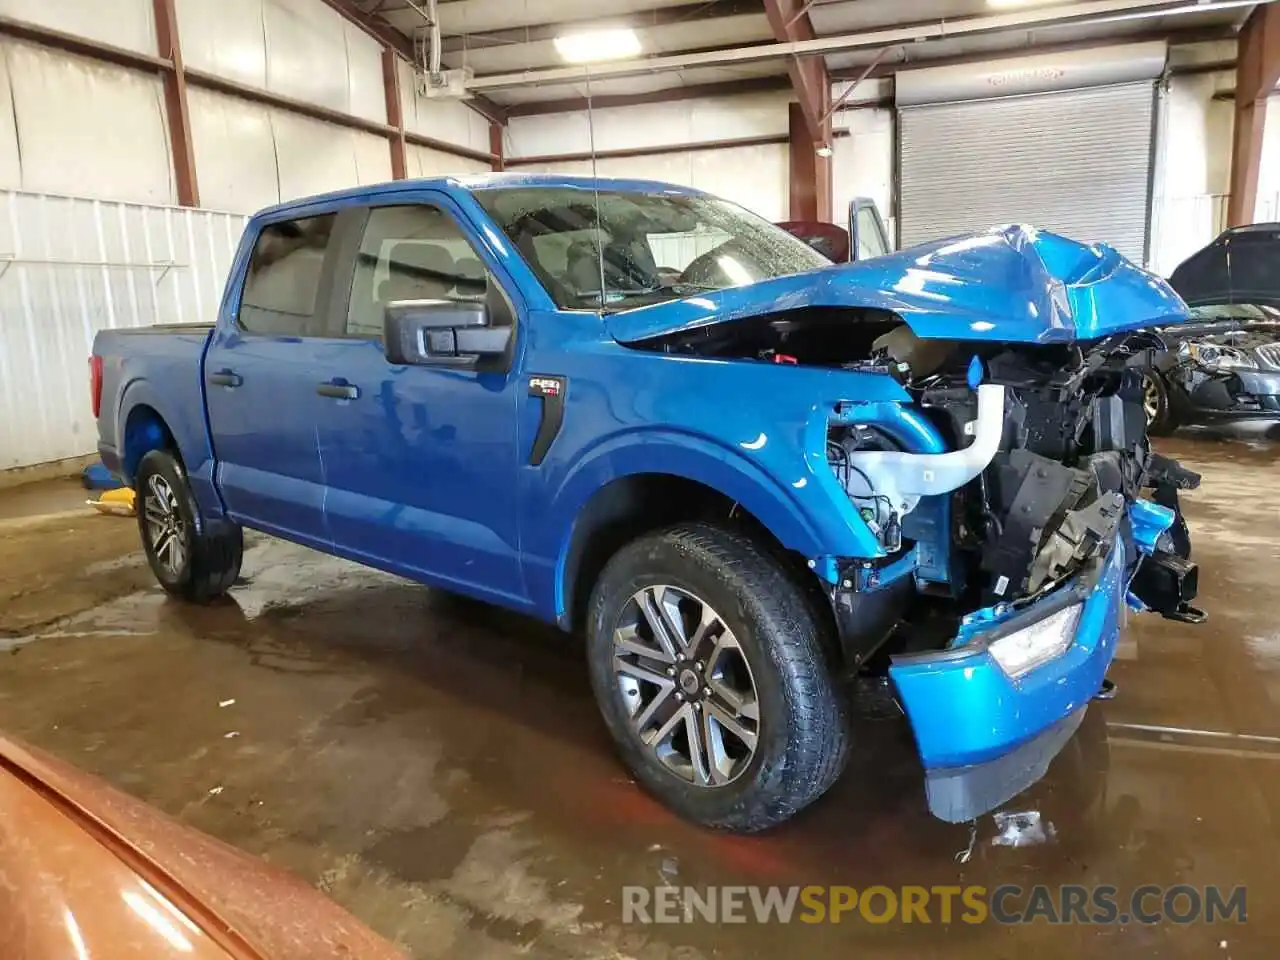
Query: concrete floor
{"points": [[438, 767]]}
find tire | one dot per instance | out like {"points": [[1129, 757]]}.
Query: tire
{"points": [[767, 623], [198, 562], [1155, 404]]}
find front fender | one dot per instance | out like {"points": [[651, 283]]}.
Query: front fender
{"points": [[671, 453]]}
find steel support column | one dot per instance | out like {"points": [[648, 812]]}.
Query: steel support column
{"points": [[175, 103], [1257, 73], [395, 115], [499, 162], [809, 120]]}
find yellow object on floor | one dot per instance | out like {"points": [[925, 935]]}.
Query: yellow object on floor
{"points": [[116, 502]]}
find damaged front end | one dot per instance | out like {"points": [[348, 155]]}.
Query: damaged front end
{"points": [[1051, 515], [1007, 502]]}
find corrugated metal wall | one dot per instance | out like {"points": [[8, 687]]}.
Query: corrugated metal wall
{"points": [[70, 267]]}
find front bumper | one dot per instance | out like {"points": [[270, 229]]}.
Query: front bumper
{"points": [[1241, 395], [984, 736]]}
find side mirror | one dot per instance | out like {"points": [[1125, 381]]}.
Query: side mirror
{"points": [[441, 332]]}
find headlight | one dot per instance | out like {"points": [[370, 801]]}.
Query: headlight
{"points": [[1212, 356], [1033, 645]]}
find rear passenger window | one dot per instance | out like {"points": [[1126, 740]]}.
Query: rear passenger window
{"points": [[411, 253], [283, 281]]}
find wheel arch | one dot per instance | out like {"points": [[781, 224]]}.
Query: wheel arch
{"points": [[144, 429], [643, 487]]}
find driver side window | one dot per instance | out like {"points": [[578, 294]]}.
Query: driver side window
{"points": [[411, 253]]}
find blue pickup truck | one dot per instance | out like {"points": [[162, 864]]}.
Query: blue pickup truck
{"points": [[747, 476]]}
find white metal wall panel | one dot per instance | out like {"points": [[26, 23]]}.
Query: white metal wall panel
{"points": [[753, 177], [649, 125], [296, 48], [10, 162], [313, 157], [122, 23], [306, 52], [440, 117], [235, 152], [70, 267], [366, 95], [249, 156], [426, 162], [1193, 168], [224, 37], [1268, 207], [84, 126], [862, 162], [373, 157], [1076, 162]]}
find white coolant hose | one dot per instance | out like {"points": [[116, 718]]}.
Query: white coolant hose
{"points": [[906, 477]]}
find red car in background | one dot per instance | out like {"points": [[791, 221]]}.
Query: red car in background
{"points": [[91, 872]]}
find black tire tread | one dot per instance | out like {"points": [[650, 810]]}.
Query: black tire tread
{"points": [[817, 742], [215, 555]]}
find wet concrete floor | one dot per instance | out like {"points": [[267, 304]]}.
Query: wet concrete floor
{"points": [[438, 767]]}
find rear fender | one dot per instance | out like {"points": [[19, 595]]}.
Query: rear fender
{"points": [[186, 428]]}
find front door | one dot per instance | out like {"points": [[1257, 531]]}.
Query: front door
{"points": [[260, 382], [420, 461]]}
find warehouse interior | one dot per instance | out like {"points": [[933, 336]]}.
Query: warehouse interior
{"points": [[436, 766]]}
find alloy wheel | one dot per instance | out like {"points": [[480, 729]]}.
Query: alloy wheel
{"points": [[166, 530], [1150, 398], [686, 685]]}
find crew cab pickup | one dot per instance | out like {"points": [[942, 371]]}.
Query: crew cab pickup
{"points": [[745, 474]]}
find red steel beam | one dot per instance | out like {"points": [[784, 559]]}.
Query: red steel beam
{"points": [[538, 108], [1257, 73], [809, 118], [175, 104], [395, 116], [83, 46], [499, 162], [789, 20], [643, 151]]}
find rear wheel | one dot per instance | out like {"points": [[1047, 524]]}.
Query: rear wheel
{"points": [[189, 558], [711, 673]]}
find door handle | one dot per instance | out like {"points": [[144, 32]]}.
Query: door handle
{"points": [[339, 391], [225, 378]]}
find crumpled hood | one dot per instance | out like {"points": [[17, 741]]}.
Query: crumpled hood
{"points": [[1011, 284]]}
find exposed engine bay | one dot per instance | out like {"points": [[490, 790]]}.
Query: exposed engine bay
{"points": [[1070, 452]]}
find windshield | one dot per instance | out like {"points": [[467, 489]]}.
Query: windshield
{"points": [[655, 246], [1235, 311]]}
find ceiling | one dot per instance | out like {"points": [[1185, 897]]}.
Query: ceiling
{"points": [[510, 37]]}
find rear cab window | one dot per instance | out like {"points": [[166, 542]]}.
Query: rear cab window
{"points": [[282, 284]]}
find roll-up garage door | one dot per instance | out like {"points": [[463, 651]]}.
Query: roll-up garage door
{"points": [[1077, 162]]}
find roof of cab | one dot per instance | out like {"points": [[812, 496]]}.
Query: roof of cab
{"points": [[369, 193]]}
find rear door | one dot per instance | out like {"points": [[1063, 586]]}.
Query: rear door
{"points": [[420, 461], [261, 382]]}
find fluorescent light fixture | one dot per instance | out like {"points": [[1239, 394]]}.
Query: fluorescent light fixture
{"points": [[591, 46], [1038, 643]]}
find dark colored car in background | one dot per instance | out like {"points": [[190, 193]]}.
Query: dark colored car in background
{"points": [[1224, 365]]}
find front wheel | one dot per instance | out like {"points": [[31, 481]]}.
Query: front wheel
{"points": [[1155, 404], [710, 670], [189, 558]]}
